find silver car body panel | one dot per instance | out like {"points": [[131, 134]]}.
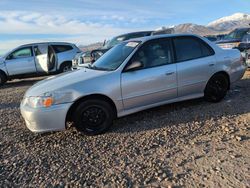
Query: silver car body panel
{"points": [[18, 66], [135, 86], [39, 120], [138, 90]]}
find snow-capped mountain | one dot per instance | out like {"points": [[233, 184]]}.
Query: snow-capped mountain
{"points": [[193, 28], [222, 25], [231, 22]]}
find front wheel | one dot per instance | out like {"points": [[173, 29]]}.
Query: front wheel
{"points": [[93, 117], [65, 67], [216, 88]]}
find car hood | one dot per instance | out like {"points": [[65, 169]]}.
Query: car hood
{"points": [[63, 81]]}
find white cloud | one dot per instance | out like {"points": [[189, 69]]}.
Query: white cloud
{"points": [[36, 23], [78, 31]]}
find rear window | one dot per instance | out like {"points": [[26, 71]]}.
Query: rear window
{"points": [[188, 48], [246, 38], [61, 48]]}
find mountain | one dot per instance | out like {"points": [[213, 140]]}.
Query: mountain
{"points": [[230, 22], [222, 25], [194, 28], [90, 47]]}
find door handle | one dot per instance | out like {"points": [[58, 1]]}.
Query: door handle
{"points": [[169, 73], [211, 64]]}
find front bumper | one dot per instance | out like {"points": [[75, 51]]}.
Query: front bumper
{"points": [[45, 119]]}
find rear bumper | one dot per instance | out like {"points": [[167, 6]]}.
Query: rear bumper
{"points": [[45, 119]]}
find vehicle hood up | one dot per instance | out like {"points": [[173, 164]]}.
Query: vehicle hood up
{"points": [[64, 82]]}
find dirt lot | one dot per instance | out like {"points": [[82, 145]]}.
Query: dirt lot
{"points": [[187, 144]]}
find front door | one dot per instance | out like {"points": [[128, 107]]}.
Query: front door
{"points": [[41, 58], [20, 62], [153, 83]]}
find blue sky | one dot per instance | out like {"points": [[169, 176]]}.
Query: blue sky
{"points": [[88, 21]]}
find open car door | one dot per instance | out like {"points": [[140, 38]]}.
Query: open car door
{"points": [[41, 58]]}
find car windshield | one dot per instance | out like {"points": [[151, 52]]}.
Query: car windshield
{"points": [[236, 34], [114, 57]]}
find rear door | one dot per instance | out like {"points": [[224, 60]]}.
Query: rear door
{"points": [[41, 58], [195, 63], [21, 61], [156, 81]]}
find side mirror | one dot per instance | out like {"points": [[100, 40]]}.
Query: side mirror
{"points": [[134, 66]]}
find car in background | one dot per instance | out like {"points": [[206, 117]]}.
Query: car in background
{"points": [[234, 38], [37, 59], [133, 76], [92, 56], [211, 38], [220, 36], [244, 47], [238, 39], [81, 59]]}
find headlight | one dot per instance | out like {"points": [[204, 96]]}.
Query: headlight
{"points": [[48, 99]]}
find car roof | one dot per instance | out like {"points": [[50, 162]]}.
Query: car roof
{"points": [[147, 38], [137, 32], [49, 43]]}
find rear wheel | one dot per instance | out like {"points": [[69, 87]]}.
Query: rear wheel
{"points": [[3, 79], [216, 88], [93, 117]]}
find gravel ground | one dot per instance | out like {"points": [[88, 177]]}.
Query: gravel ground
{"points": [[186, 144]]}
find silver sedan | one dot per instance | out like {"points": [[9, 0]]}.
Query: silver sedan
{"points": [[135, 75]]}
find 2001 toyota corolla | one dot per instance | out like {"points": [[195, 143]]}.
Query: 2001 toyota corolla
{"points": [[133, 76]]}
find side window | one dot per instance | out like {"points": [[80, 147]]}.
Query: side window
{"points": [[61, 48], [40, 49], [21, 53], [246, 38], [188, 48], [37, 51], [154, 53]]}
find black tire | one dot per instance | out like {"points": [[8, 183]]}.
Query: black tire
{"points": [[93, 117], [65, 67], [216, 88], [3, 79]]}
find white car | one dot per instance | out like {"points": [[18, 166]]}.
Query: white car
{"points": [[37, 59]]}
